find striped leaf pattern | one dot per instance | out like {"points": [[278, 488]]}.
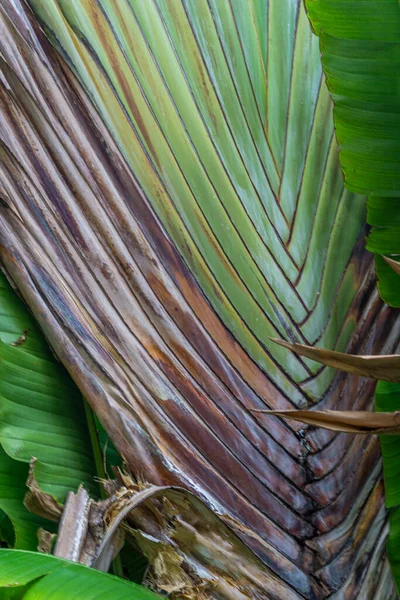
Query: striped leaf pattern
{"points": [[172, 197]]}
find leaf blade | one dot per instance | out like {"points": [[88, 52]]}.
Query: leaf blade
{"points": [[52, 577]]}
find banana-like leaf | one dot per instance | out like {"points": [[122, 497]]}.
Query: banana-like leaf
{"points": [[24, 524], [7, 532], [393, 543], [171, 198], [387, 399], [41, 416], [361, 58], [42, 577]]}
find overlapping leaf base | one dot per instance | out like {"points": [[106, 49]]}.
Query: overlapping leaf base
{"points": [[166, 218]]}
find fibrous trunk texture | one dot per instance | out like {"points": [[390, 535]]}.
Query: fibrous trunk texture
{"points": [[141, 316]]}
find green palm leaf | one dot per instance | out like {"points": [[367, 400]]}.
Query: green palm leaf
{"points": [[361, 59], [44, 577], [171, 206]]}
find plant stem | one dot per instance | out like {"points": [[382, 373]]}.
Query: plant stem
{"points": [[100, 472], [94, 439]]}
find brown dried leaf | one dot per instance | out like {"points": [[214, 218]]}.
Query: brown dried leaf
{"points": [[385, 368], [360, 421], [39, 502], [45, 541]]}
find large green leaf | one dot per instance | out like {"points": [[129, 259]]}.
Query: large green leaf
{"points": [[7, 532], [41, 416], [25, 525], [38, 397], [44, 577], [393, 544], [388, 399], [168, 212], [361, 58]]}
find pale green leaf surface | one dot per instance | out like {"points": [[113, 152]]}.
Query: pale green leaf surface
{"points": [[244, 176]]}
